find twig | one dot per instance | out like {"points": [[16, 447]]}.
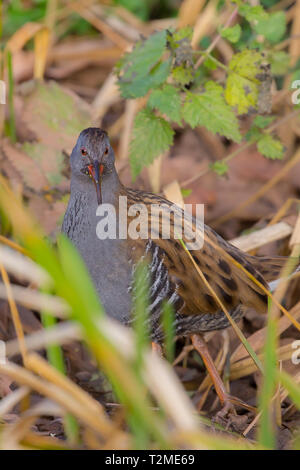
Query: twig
{"points": [[217, 38], [246, 145]]}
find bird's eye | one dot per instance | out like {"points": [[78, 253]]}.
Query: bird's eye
{"points": [[83, 152], [106, 151]]}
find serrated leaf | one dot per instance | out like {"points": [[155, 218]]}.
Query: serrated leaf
{"points": [[210, 109], [253, 134], [186, 192], [183, 33], [220, 167], [252, 13], [233, 34], [273, 27], [242, 85], [280, 62], [151, 136], [183, 75], [141, 69], [210, 64], [270, 147], [167, 100], [263, 121]]}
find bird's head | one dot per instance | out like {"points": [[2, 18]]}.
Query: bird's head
{"points": [[93, 157]]}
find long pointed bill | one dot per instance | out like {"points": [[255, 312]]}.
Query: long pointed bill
{"points": [[96, 171]]}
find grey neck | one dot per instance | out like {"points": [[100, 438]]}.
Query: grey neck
{"points": [[110, 188]]}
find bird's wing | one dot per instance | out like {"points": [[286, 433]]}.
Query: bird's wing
{"points": [[217, 259]]}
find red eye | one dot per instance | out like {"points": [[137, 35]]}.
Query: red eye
{"points": [[83, 152], [106, 151]]}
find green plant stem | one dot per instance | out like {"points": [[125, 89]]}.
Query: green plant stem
{"points": [[56, 359], [266, 431], [218, 37], [12, 122], [207, 55]]}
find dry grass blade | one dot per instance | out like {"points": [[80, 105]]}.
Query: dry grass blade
{"points": [[37, 300], [262, 237], [189, 11], [245, 366], [42, 368], [14, 313], [257, 339], [263, 190], [13, 245], [41, 45], [22, 36], [59, 334], [159, 376], [107, 95], [223, 308], [101, 25], [12, 399], [94, 420], [23, 268]]}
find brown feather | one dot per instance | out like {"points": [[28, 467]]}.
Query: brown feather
{"points": [[228, 281]]}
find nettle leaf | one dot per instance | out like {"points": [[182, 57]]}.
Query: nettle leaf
{"points": [[273, 27], [183, 75], [270, 147], [151, 136], [242, 85], [280, 61], [179, 43], [182, 33], [259, 123], [168, 101], [263, 121], [186, 192], [233, 34], [253, 134], [142, 68], [210, 64], [220, 167], [209, 109], [252, 13]]}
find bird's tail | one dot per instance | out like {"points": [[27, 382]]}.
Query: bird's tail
{"points": [[270, 268]]}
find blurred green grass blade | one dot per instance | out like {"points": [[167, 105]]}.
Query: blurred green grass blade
{"points": [[168, 323], [266, 434], [56, 359], [235, 327], [86, 306], [12, 121], [141, 314], [291, 386]]}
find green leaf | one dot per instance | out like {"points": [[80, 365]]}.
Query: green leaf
{"points": [[142, 69], [210, 64], [152, 136], [183, 75], [242, 85], [270, 147], [253, 134], [255, 13], [263, 121], [220, 167], [273, 27], [180, 34], [167, 100], [280, 62], [233, 34], [138, 8], [210, 109], [186, 192]]}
